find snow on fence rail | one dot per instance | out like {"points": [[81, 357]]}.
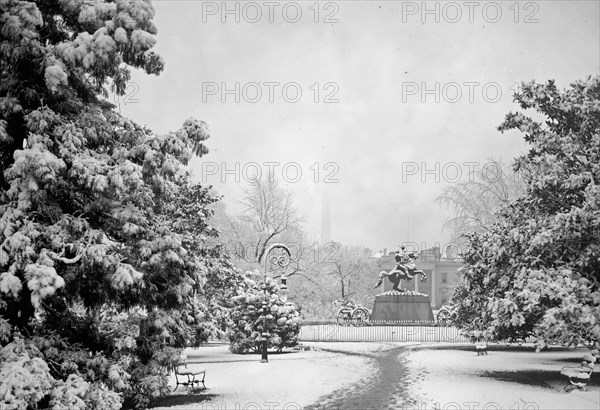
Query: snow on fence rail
{"points": [[400, 332]]}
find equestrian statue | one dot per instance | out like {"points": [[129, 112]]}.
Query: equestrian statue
{"points": [[405, 269]]}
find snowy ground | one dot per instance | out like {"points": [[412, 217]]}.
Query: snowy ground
{"points": [[442, 376], [454, 377], [289, 381]]}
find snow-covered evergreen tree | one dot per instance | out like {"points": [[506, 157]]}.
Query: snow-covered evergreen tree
{"points": [[280, 321], [537, 270], [102, 256]]}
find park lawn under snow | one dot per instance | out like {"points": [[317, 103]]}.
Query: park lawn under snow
{"points": [[441, 376], [291, 380], [454, 377]]}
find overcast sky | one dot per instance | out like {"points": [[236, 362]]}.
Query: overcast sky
{"points": [[349, 88]]}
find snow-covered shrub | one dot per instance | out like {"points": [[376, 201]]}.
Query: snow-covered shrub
{"points": [[281, 320]]}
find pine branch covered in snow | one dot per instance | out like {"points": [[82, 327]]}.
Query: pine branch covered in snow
{"points": [[535, 272], [103, 251]]}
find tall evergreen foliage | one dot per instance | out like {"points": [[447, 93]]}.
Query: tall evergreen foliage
{"points": [[537, 270], [102, 234]]}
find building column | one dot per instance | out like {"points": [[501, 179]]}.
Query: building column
{"points": [[433, 290]]}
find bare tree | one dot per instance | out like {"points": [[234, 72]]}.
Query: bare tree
{"points": [[475, 202], [316, 271], [268, 217], [306, 254], [269, 210], [349, 267]]}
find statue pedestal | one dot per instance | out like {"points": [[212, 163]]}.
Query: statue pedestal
{"points": [[407, 305]]}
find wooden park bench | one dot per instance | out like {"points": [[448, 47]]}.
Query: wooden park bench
{"points": [[188, 378], [579, 375], [481, 347]]}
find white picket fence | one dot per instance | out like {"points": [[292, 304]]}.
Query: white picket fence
{"points": [[388, 333]]}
